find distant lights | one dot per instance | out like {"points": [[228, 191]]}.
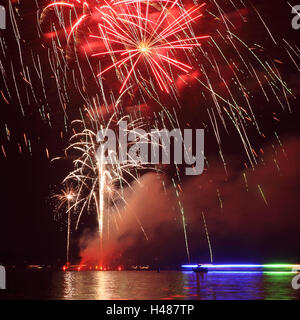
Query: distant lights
{"points": [[84, 267], [224, 266]]}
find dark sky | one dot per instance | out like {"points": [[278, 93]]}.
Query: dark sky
{"points": [[244, 229]]}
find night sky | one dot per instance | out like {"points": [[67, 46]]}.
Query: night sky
{"points": [[243, 226]]}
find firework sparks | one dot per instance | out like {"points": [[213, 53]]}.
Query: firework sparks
{"points": [[146, 40], [75, 5], [65, 198], [99, 185]]}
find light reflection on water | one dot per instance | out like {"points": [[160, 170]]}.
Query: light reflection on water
{"points": [[115, 285]]}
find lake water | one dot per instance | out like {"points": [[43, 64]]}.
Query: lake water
{"points": [[106, 285]]}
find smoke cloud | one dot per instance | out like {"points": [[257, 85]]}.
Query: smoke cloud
{"points": [[258, 207]]}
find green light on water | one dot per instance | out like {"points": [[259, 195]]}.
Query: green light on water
{"points": [[274, 265], [279, 272]]}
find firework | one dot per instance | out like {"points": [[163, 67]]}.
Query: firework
{"points": [[152, 43], [145, 40], [65, 198], [98, 185], [75, 5], [80, 10]]}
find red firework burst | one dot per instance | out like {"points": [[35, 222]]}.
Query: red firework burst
{"points": [[74, 4], [133, 37]]}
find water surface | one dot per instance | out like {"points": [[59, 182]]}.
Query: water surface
{"points": [[106, 285]]}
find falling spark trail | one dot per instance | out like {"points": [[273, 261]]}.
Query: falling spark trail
{"points": [[263, 195], [208, 239]]}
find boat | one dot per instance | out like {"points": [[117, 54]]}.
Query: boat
{"points": [[199, 268]]}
